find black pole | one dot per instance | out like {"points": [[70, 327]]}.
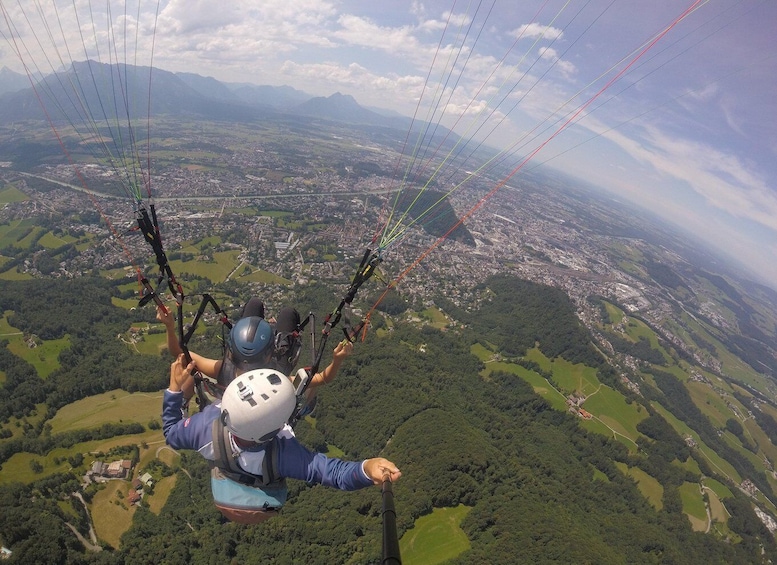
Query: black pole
{"points": [[390, 540]]}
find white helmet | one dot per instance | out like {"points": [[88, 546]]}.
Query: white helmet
{"points": [[257, 404]]}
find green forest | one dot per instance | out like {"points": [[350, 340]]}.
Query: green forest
{"points": [[539, 486]]}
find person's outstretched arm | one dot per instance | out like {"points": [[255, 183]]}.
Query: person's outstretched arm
{"points": [[343, 350], [297, 462], [205, 365]]}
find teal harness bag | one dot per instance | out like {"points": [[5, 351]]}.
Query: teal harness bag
{"points": [[242, 496]]}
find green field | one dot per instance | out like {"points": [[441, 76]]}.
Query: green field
{"points": [[141, 341], [17, 467], [14, 275], [613, 416], [719, 488], [51, 241], [113, 406], [19, 233], [650, 488], [718, 512], [435, 538], [717, 462], [216, 268], [637, 329], [534, 354], [111, 513], [615, 315], [612, 409], [537, 381], [693, 505], [44, 357], [260, 276], [710, 403], [436, 318], [10, 194], [716, 493], [730, 364]]}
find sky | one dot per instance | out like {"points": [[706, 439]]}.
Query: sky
{"points": [[670, 104]]}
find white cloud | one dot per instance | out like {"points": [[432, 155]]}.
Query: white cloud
{"points": [[567, 68], [368, 87], [184, 17], [721, 179], [536, 31], [355, 30]]}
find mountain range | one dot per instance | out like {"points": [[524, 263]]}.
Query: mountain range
{"points": [[91, 84]]}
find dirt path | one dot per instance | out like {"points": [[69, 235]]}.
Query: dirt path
{"points": [[91, 546]]}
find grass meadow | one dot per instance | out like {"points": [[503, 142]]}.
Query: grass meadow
{"points": [[537, 381], [19, 233], [111, 512], [717, 462], [693, 505], [17, 467], [650, 488], [435, 538], [113, 406], [44, 357], [612, 409], [215, 269], [10, 193], [435, 317]]}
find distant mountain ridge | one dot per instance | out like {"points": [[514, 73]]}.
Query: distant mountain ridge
{"points": [[343, 108], [11, 81], [177, 94]]}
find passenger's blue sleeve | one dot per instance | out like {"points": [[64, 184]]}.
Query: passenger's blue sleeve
{"points": [[297, 462], [186, 433]]}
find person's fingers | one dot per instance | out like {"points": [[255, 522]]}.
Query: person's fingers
{"points": [[380, 468]]}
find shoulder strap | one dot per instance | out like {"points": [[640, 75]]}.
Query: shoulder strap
{"points": [[270, 475], [226, 460]]}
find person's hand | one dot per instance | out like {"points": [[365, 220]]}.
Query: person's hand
{"points": [[165, 316], [378, 468], [343, 350], [180, 373]]}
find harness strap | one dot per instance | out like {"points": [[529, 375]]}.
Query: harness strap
{"points": [[226, 460]]}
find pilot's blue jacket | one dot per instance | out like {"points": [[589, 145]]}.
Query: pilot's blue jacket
{"points": [[294, 460]]}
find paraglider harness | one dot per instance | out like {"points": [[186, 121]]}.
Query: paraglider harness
{"points": [[250, 499], [242, 496]]}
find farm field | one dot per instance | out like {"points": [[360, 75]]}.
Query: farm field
{"points": [[260, 276], [17, 467], [717, 493], [693, 506], [111, 513], [612, 409], [10, 193], [537, 381], [717, 462], [215, 269], [435, 538], [613, 416], [650, 488], [435, 317], [44, 357], [113, 406], [730, 364]]}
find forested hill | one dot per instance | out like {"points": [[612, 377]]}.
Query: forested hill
{"points": [[539, 487], [433, 211], [79, 311]]}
